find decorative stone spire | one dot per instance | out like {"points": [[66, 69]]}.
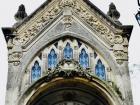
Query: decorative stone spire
{"points": [[114, 13], [21, 13]]}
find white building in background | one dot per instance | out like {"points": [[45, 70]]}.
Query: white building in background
{"points": [[135, 81]]}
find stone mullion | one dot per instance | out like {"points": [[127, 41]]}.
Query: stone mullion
{"points": [[60, 54], [28, 73], [75, 55], [44, 63], [91, 63], [109, 74]]}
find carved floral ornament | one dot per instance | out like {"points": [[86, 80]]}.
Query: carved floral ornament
{"points": [[69, 68], [25, 35], [69, 3]]}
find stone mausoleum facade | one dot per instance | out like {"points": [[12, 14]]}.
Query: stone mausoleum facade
{"points": [[68, 52]]}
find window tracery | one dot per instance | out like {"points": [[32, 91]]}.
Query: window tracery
{"points": [[68, 52], [36, 71], [84, 59], [100, 70], [87, 57], [52, 59]]}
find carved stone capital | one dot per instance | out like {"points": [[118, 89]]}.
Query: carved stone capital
{"points": [[121, 56], [15, 58], [16, 53]]}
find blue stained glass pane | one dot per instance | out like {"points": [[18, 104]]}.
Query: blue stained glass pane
{"points": [[52, 59], [100, 70], [84, 59], [36, 71], [68, 52]]}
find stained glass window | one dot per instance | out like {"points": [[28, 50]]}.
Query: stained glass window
{"points": [[100, 70], [84, 59], [68, 52], [36, 71], [52, 59]]}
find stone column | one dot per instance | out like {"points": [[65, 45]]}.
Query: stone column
{"points": [[14, 74]]}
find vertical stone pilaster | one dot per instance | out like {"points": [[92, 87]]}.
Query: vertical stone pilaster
{"points": [[44, 63], [91, 63], [60, 53], [109, 74], [15, 84], [75, 55]]}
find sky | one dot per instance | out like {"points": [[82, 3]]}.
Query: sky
{"points": [[127, 9]]}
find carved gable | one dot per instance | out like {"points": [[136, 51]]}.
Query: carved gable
{"points": [[69, 13], [69, 45], [54, 9]]}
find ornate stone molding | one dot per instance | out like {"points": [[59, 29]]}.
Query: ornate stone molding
{"points": [[95, 23], [15, 58], [67, 3], [69, 69], [69, 65], [15, 54], [121, 56], [118, 39], [23, 36]]}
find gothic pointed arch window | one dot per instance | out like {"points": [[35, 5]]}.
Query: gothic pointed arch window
{"points": [[36, 71], [52, 59], [68, 52], [84, 59], [100, 70]]}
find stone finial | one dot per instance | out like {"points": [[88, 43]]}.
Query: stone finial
{"points": [[21, 13], [114, 13]]}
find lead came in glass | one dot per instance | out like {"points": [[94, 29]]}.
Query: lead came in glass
{"points": [[84, 59], [52, 59], [36, 71], [68, 52], [100, 70]]}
